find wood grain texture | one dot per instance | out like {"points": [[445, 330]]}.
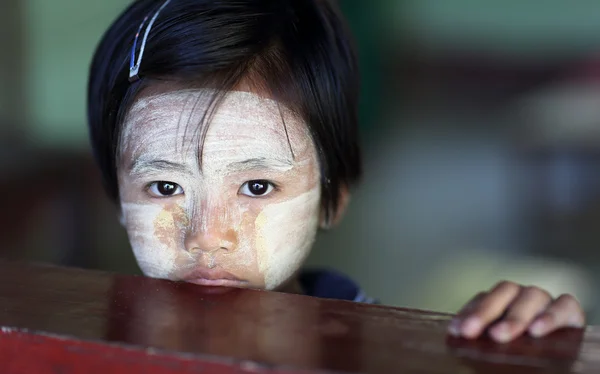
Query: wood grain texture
{"points": [[62, 320]]}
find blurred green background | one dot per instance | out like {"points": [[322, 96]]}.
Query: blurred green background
{"points": [[481, 136]]}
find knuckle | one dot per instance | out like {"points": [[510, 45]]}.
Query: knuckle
{"points": [[506, 286], [568, 300], [472, 304], [531, 289], [479, 313], [478, 307], [548, 317], [535, 290], [517, 323]]}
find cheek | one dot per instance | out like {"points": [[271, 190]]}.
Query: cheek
{"points": [[285, 233], [155, 233], [170, 225]]}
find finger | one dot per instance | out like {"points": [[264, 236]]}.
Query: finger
{"points": [[454, 326], [468, 308], [563, 312], [489, 309], [530, 302]]}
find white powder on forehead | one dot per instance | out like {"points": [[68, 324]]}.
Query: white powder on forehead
{"points": [[177, 113], [158, 116], [191, 106], [285, 235]]}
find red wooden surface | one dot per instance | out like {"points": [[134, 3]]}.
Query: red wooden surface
{"points": [[58, 320]]}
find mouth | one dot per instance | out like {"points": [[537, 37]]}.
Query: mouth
{"points": [[214, 278]]}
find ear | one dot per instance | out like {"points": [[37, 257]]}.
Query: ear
{"points": [[336, 217]]}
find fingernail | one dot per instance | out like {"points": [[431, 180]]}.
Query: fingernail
{"points": [[501, 332], [471, 327], [576, 321], [537, 329], [454, 327]]}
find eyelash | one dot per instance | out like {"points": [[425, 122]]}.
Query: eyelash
{"points": [[158, 194], [270, 188], [179, 190]]}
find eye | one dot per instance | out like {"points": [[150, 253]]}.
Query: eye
{"points": [[256, 188], [164, 189]]}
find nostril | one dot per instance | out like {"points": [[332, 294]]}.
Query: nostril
{"points": [[195, 250], [198, 250], [210, 242]]}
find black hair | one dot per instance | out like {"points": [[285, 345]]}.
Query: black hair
{"points": [[300, 51]]}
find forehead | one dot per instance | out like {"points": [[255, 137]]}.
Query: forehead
{"points": [[240, 122]]}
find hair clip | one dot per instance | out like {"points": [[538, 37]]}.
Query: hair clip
{"points": [[134, 67]]}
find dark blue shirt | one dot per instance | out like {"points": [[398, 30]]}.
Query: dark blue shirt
{"points": [[329, 284]]}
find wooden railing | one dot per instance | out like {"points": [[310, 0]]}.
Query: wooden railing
{"points": [[66, 320]]}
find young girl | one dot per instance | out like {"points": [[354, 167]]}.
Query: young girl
{"points": [[226, 132]]}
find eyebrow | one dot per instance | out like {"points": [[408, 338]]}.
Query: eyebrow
{"points": [[261, 163], [143, 165]]}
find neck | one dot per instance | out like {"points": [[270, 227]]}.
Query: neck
{"points": [[292, 286]]}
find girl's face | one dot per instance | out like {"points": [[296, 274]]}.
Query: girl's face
{"points": [[240, 208]]}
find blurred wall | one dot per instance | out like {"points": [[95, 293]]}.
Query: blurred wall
{"points": [[60, 39], [13, 103]]}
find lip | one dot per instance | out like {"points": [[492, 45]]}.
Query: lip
{"points": [[213, 277], [217, 282]]}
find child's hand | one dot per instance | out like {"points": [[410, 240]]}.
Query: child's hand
{"points": [[509, 310]]}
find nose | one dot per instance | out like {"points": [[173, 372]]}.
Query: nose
{"points": [[211, 239], [211, 231]]}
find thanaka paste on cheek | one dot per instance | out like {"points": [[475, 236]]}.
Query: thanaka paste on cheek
{"points": [[282, 252], [262, 241], [151, 248]]}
